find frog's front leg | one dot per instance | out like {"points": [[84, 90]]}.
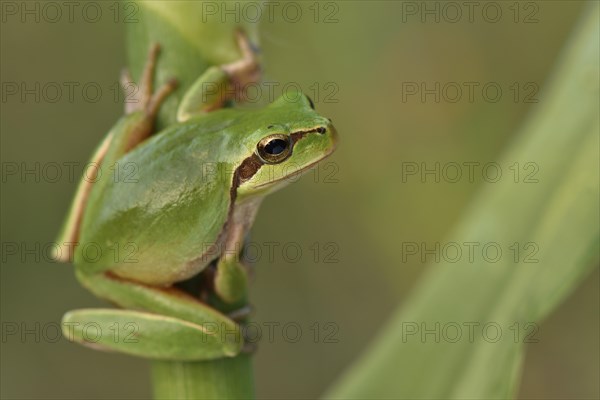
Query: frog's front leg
{"points": [[219, 84], [158, 323], [144, 100], [231, 278]]}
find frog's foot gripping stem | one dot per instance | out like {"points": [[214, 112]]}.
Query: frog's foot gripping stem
{"points": [[241, 314], [221, 84], [143, 98]]}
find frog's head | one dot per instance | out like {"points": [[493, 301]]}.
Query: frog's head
{"points": [[289, 138]]}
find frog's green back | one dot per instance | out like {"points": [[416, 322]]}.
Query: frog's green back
{"points": [[164, 205]]}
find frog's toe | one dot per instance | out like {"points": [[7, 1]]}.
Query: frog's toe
{"points": [[142, 97], [159, 96], [241, 313]]}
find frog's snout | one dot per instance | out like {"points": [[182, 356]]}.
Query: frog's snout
{"points": [[330, 130]]}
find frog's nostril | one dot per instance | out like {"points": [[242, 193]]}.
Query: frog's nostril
{"points": [[321, 130]]}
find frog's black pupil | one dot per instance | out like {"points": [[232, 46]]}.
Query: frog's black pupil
{"points": [[276, 146]]}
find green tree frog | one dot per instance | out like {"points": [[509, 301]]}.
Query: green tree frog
{"points": [[194, 196]]}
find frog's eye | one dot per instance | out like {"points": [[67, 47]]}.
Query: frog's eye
{"points": [[274, 149]]}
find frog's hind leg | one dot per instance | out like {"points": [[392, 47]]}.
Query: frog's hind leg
{"points": [[145, 334], [181, 316]]}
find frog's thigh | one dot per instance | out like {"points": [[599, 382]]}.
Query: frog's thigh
{"points": [[168, 302], [144, 334]]}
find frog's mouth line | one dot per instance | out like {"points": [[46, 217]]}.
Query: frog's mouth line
{"points": [[297, 172]]}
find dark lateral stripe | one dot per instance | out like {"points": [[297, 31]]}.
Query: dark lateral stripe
{"points": [[299, 135], [248, 168], [245, 171]]}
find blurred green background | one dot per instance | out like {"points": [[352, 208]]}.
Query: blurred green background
{"points": [[358, 207]]}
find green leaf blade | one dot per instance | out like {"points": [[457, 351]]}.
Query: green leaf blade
{"points": [[558, 215]]}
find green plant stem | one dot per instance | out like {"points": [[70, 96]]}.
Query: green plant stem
{"points": [[189, 45], [230, 378]]}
